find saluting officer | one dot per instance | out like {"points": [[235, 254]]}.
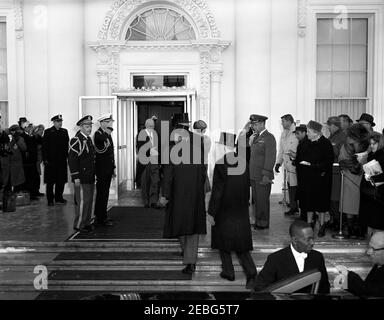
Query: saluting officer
{"points": [[262, 160], [105, 168], [81, 159], [55, 154]]}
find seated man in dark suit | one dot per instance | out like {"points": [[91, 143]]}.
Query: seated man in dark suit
{"points": [[297, 257], [373, 285]]}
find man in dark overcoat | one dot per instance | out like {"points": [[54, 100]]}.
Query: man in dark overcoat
{"points": [[81, 160], [105, 168], [261, 163], [229, 214], [183, 187], [55, 154]]}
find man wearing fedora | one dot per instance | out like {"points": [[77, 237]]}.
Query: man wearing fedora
{"points": [[81, 159], [367, 121], [55, 156], [105, 168], [229, 215], [262, 161], [183, 190]]}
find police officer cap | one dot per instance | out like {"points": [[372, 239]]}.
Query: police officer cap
{"points": [[106, 117], [227, 139], [301, 128], [58, 117], [85, 120], [257, 118]]}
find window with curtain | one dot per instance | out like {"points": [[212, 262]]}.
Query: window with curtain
{"points": [[3, 75], [342, 68], [160, 24]]}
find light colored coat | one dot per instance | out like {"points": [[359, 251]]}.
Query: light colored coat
{"points": [[288, 143]]}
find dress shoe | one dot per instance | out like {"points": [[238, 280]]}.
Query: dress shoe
{"points": [[106, 223], [62, 201], [256, 227], [321, 232], [189, 269], [50, 204], [230, 277], [88, 228]]}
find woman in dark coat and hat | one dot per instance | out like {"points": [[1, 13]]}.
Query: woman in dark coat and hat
{"points": [[228, 213], [372, 189], [316, 171], [12, 160], [183, 191]]}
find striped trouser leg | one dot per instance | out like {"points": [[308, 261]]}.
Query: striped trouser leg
{"points": [[79, 204]]}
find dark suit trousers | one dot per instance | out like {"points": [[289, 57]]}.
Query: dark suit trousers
{"points": [[261, 194], [83, 201], [59, 189], [292, 191], [102, 194], [150, 181], [245, 260]]}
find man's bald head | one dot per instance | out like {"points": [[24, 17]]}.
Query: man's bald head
{"points": [[149, 124]]}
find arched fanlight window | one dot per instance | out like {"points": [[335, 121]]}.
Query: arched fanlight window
{"points": [[160, 24]]}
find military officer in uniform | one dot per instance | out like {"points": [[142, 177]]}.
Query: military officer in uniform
{"points": [[105, 168], [81, 159], [55, 155], [261, 163]]}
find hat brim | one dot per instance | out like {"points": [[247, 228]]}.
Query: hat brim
{"points": [[85, 123]]}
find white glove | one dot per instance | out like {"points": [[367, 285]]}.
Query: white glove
{"points": [[305, 163], [163, 201]]}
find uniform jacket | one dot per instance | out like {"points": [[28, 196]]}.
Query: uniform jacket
{"points": [[12, 162], [105, 154], [282, 264], [372, 286], [229, 206], [263, 156], [183, 186], [81, 159], [55, 155], [288, 142]]}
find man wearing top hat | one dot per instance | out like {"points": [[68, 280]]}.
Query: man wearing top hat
{"points": [[81, 159], [183, 190], [105, 168], [228, 213], [261, 163], [55, 156]]}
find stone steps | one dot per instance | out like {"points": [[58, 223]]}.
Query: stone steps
{"points": [[18, 260]]}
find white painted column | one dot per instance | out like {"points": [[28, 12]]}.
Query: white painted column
{"points": [[65, 59], [20, 63]]}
